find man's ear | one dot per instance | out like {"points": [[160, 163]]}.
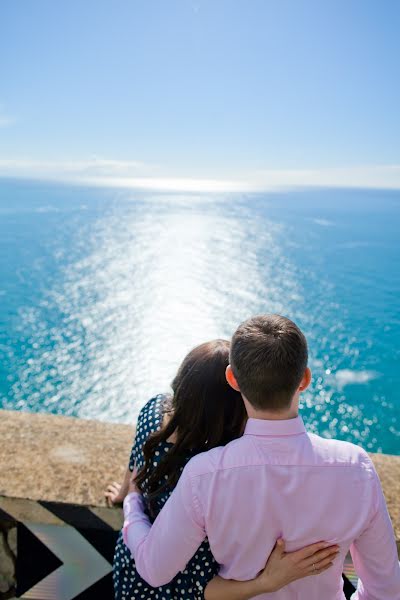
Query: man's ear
{"points": [[305, 382], [231, 378]]}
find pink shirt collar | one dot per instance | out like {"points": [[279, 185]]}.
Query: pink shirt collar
{"points": [[263, 427]]}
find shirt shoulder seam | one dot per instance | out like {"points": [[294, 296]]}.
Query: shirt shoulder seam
{"points": [[230, 468]]}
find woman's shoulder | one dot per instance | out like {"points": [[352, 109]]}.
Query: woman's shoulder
{"points": [[151, 415], [149, 421], [158, 403]]}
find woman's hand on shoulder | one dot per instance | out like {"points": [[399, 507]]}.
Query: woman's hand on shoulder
{"points": [[284, 567]]}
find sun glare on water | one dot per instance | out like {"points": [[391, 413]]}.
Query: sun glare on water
{"points": [[151, 282], [130, 283]]}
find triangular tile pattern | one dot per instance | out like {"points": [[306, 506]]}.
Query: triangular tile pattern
{"points": [[98, 533], [102, 589], [82, 566], [34, 560]]}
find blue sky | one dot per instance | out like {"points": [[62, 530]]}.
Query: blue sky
{"points": [[255, 91]]}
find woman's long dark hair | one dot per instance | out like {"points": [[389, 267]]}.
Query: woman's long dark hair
{"points": [[205, 412]]}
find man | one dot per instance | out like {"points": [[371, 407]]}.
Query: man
{"points": [[276, 481]]}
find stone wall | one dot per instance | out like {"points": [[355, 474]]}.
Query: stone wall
{"points": [[53, 472], [56, 533]]}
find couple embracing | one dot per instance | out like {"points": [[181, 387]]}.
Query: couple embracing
{"points": [[232, 499]]}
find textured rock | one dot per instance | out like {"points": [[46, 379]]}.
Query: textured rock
{"points": [[388, 468], [7, 574], [60, 459], [12, 540]]}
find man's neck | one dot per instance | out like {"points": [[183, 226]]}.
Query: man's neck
{"points": [[267, 415]]}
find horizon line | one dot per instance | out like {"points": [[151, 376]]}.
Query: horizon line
{"points": [[113, 173]]}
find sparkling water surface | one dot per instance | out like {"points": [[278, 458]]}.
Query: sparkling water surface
{"points": [[102, 292]]}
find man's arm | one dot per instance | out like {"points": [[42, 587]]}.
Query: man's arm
{"points": [[374, 554], [162, 550]]}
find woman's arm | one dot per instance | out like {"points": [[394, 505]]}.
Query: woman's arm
{"points": [[116, 492], [228, 589], [281, 568]]}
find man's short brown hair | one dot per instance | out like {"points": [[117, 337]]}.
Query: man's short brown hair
{"points": [[268, 359]]}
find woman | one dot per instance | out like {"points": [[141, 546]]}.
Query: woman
{"points": [[204, 412]]}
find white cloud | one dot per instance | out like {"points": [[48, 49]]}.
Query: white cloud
{"points": [[135, 174], [5, 119], [368, 176], [323, 222], [90, 166]]}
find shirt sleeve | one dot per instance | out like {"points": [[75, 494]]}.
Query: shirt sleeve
{"points": [[374, 554], [163, 549]]}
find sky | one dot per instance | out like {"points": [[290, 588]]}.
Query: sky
{"points": [[229, 94]]}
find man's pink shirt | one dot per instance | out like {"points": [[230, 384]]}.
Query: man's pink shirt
{"points": [[275, 481]]}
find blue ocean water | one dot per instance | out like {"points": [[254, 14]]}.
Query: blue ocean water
{"points": [[103, 291]]}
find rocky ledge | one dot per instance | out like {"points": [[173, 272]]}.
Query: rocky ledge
{"points": [[51, 462]]}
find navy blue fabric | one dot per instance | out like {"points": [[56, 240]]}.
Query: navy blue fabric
{"points": [[190, 583]]}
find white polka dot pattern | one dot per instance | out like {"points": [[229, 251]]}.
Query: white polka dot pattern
{"points": [[190, 583]]}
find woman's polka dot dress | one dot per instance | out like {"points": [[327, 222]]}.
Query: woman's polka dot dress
{"points": [[190, 583]]}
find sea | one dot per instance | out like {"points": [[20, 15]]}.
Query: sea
{"points": [[103, 291]]}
